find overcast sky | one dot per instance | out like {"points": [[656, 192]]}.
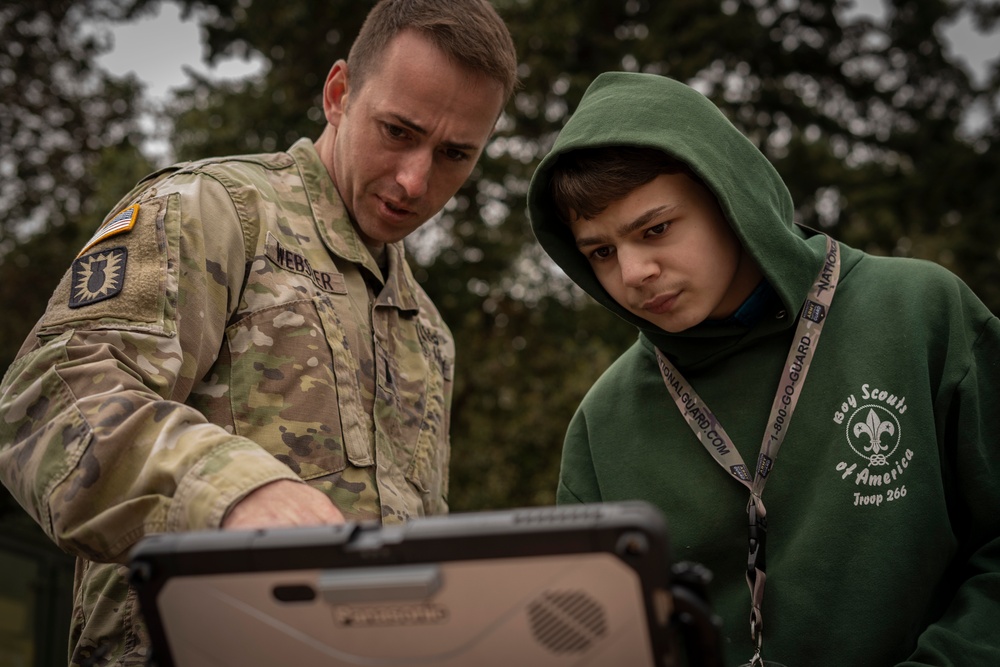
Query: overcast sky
{"points": [[157, 48]]}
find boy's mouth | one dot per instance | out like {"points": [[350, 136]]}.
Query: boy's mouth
{"points": [[660, 304]]}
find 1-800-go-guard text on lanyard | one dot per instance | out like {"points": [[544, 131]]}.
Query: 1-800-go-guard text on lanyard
{"points": [[715, 439]]}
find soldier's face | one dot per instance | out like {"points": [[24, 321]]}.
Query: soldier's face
{"points": [[407, 140], [667, 254]]}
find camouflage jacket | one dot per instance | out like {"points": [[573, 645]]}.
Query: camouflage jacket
{"points": [[224, 328]]}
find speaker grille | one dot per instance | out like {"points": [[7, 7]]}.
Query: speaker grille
{"points": [[567, 621]]}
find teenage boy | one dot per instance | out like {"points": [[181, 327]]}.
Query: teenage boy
{"points": [[878, 534]]}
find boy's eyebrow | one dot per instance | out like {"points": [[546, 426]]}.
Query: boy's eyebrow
{"points": [[629, 227], [406, 122]]}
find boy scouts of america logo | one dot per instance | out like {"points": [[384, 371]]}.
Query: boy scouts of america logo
{"points": [[871, 422], [97, 276], [873, 433]]}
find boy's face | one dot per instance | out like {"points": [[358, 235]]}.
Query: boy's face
{"points": [[667, 254]]}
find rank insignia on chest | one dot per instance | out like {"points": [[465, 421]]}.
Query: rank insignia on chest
{"points": [[97, 276], [122, 222]]}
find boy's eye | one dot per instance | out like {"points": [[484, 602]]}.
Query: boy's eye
{"points": [[602, 253], [657, 230]]}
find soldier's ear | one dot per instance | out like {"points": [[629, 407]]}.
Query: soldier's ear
{"points": [[335, 93]]}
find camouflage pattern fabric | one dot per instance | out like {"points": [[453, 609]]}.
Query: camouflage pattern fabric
{"points": [[231, 331]]}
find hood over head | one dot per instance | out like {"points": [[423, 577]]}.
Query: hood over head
{"points": [[647, 110]]}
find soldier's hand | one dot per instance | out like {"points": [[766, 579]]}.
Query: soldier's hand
{"points": [[282, 503]]}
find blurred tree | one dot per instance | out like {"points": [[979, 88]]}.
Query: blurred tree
{"points": [[68, 137], [300, 40]]}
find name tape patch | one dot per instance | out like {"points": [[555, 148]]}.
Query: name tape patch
{"points": [[296, 263]]}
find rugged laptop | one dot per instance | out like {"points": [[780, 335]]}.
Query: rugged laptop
{"points": [[582, 585]]}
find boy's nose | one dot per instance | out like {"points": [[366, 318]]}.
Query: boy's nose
{"points": [[637, 267]]}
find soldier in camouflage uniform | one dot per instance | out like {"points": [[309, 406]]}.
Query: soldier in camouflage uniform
{"points": [[242, 341]]}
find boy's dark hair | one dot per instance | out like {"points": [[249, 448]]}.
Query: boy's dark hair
{"points": [[586, 181], [470, 32]]}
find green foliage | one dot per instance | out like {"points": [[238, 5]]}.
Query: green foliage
{"points": [[68, 133], [300, 40], [864, 121]]}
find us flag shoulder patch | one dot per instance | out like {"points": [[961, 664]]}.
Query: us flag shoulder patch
{"points": [[122, 222]]}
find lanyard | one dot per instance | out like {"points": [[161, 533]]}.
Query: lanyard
{"points": [[713, 436]]}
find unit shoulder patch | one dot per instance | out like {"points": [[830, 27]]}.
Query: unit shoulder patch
{"points": [[120, 223], [97, 276], [123, 282]]}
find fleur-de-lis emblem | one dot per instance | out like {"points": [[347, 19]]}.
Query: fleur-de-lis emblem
{"points": [[875, 428]]}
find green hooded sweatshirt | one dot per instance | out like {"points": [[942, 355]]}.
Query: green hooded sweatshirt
{"points": [[883, 507]]}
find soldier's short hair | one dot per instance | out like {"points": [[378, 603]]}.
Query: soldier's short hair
{"points": [[587, 180], [470, 32]]}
